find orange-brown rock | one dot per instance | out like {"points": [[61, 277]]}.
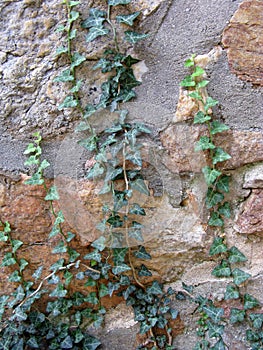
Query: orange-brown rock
{"points": [[243, 39]]}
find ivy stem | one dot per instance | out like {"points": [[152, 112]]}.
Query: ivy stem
{"points": [[113, 28]]}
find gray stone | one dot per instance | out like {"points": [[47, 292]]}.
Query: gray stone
{"points": [[254, 177]]}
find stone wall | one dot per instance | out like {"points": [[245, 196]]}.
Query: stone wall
{"points": [[229, 36]]}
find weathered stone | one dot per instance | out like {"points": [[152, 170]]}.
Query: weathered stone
{"points": [[250, 217], [243, 39], [254, 177]]}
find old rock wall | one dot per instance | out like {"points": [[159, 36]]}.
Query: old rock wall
{"points": [[229, 36]]}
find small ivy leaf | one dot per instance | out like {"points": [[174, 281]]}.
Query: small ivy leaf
{"points": [[189, 62], [188, 81], [240, 276], [128, 61], [73, 16], [76, 87], [126, 293], [196, 96], [216, 220], [136, 233], [119, 255], [64, 76], [92, 298], [113, 173], [8, 260], [250, 302], [135, 158], [217, 127], [200, 117], [59, 291], [202, 84], [214, 330], [69, 102], [44, 164], [99, 243], [77, 59], [198, 71], [144, 327], [59, 219], [144, 271], [3, 237], [218, 346], [215, 313], [231, 293], [204, 143], [210, 174], [103, 291], [95, 19], [142, 128], [188, 288], [155, 288], [60, 28], [253, 337], [72, 34], [91, 343], [52, 194], [32, 342], [60, 248], [236, 256], [60, 50], [257, 320], [128, 19], [16, 244], [67, 277], [223, 183], [74, 3], [222, 270], [213, 198], [218, 246], [141, 253], [225, 210], [134, 37], [23, 263], [57, 265], [136, 209], [70, 236], [95, 171], [67, 343], [237, 315], [95, 32], [210, 102], [140, 186], [118, 2], [220, 155], [14, 277], [30, 149], [37, 274], [95, 255], [19, 315], [119, 269], [79, 336]]}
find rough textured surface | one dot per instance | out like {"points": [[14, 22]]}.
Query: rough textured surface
{"points": [[243, 39]]}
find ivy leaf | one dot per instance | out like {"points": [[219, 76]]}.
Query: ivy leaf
{"points": [[57, 265], [225, 210], [67, 343], [210, 174], [257, 320], [95, 255], [99, 243], [210, 102], [223, 183], [202, 84], [250, 302], [38, 272], [70, 236], [139, 185], [95, 171], [59, 291], [136, 209], [94, 32], [128, 19], [92, 298], [217, 127], [196, 96], [52, 194], [222, 270], [198, 71], [218, 346], [76, 87], [69, 102], [67, 277], [128, 61], [77, 59], [61, 49], [103, 291], [16, 244], [231, 293], [72, 34], [136, 233], [134, 37], [188, 81], [91, 343], [214, 330], [220, 155], [19, 315], [32, 342], [213, 198], [144, 327], [216, 220], [200, 117], [73, 16], [253, 337], [240, 276], [119, 269], [60, 248], [74, 3], [215, 313], [8, 260], [135, 158], [144, 271], [119, 255], [14, 277], [236, 256], [218, 246], [141, 253], [237, 315], [22, 263], [118, 2], [155, 288], [204, 143], [64, 76], [3, 237], [95, 19]]}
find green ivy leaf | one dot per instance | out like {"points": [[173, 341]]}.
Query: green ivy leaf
{"points": [[74, 3], [38, 272], [223, 183], [119, 255], [22, 263], [95, 32], [200, 117], [190, 62], [91, 343], [118, 2], [64, 76], [210, 174], [250, 302], [202, 84], [222, 270], [210, 102], [67, 343], [196, 96], [32, 342], [188, 81], [218, 246], [69, 102], [136, 233], [119, 269], [3, 237], [14, 277], [144, 271], [141, 253], [236, 256], [19, 315], [198, 71], [213, 198], [140, 186], [135, 158], [214, 330], [8, 260], [217, 127], [95, 19], [134, 37], [204, 143], [257, 320], [253, 337], [76, 87], [73, 16], [95, 255], [128, 19], [77, 59], [103, 290], [144, 327], [95, 171], [237, 315], [16, 244], [155, 288], [99, 243], [92, 298], [225, 210], [57, 265], [220, 155], [59, 291], [231, 293], [136, 209], [60, 248], [52, 194], [240, 276], [216, 220], [67, 277], [218, 346], [72, 34], [215, 313]]}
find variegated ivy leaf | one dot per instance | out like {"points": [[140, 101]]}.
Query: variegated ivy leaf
{"points": [[134, 37], [118, 2], [128, 19], [220, 155], [95, 32], [240, 276], [210, 174], [95, 19], [218, 246], [69, 102]]}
